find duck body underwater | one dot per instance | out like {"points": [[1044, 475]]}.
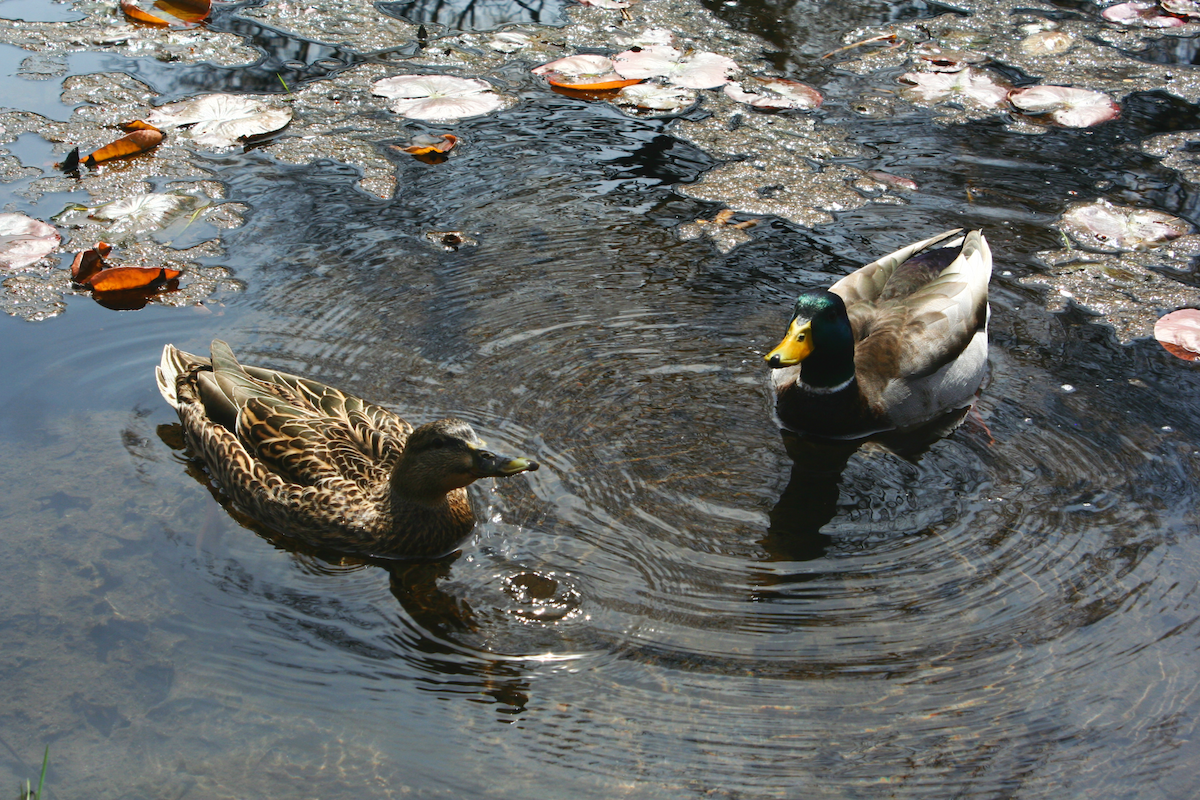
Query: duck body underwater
{"points": [[891, 346]]}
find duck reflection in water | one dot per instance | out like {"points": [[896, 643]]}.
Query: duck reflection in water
{"points": [[893, 353], [444, 621]]}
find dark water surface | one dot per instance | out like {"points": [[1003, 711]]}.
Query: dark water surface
{"points": [[668, 608]]}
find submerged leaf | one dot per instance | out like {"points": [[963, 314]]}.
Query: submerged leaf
{"points": [[695, 71], [1179, 333], [174, 13], [219, 120], [1073, 108], [437, 97], [1109, 228], [137, 142], [775, 94], [25, 240], [583, 72]]}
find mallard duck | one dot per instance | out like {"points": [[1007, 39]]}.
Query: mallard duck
{"points": [[311, 461], [890, 346]]}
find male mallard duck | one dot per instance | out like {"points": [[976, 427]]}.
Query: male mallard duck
{"points": [[890, 346], [309, 460]]}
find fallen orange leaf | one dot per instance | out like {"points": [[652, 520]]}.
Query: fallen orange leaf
{"points": [[174, 12], [138, 125], [137, 142], [584, 85], [89, 262], [117, 279], [443, 144]]}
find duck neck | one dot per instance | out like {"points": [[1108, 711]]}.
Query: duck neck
{"points": [[416, 486], [830, 367]]}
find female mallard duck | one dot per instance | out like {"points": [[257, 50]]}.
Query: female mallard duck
{"points": [[890, 346], [309, 460]]}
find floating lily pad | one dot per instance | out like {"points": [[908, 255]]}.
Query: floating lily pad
{"points": [[1183, 8], [774, 94], [971, 85], [583, 72], [220, 120], [1047, 43], [438, 97], [1179, 333], [1109, 228], [1072, 108], [695, 71], [656, 97], [25, 240], [1141, 12]]}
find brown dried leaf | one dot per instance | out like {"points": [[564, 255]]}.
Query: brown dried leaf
{"points": [[89, 262], [424, 144], [116, 279], [173, 13], [137, 142], [137, 125]]}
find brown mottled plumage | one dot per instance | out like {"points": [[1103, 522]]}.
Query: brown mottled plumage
{"points": [[891, 346], [311, 461]]}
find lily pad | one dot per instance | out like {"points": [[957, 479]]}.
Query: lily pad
{"points": [[220, 120], [1108, 228], [583, 72], [695, 71], [1179, 333], [775, 94], [1047, 43], [1141, 12], [25, 240], [438, 97], [1070, 107], [656, 97], [1183, 8], [971, 85]]}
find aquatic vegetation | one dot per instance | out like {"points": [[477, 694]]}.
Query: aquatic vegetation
{"points": [[167, 13], [138, 213], [25, 240], [695, 71], [1070, 107], [220, 120], [1141, 12], [438, 97], [1108, 228], [774, 94], [583, 72], [970, 85], [1183, 8], [656, 97], [1179, 333], [1047, 43]]}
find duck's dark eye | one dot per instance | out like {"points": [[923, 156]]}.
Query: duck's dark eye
{"points": [[438, 442]]}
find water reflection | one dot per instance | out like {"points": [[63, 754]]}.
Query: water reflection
{"points": [[476, 15]]}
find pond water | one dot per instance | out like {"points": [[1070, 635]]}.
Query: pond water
{"points": [[670, 607]]}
